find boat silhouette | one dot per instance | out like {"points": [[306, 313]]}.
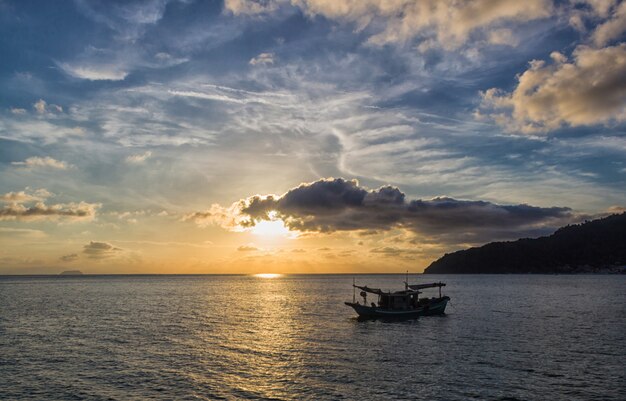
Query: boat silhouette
{"points": [[404, 304]]}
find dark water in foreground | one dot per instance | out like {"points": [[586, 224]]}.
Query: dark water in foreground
{"points": [[211, 337]]}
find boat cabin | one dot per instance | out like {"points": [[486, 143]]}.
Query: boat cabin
{"points": [[399, 300]]}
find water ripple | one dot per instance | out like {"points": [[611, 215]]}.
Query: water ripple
{"points": [[291, 338]]}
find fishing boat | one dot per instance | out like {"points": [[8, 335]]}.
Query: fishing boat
{"points": [[405, 304]]}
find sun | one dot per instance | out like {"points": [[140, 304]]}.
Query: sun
{"points": [[274, 227]]}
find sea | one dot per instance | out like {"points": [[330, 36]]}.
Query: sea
{"points": [[207, 337]]}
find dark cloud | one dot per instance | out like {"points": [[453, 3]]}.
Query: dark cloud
{"points": [[447, 213], [100, 250], [320, 197], [342, 205]]}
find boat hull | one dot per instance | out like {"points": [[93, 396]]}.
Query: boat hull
{"points": [[437, 307]]}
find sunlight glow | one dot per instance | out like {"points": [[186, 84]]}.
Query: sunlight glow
{"points": [[268, 275], [270, 228]]}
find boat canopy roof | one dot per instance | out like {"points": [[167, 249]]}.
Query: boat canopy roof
{"points": [[378, 291], [422, 286]]}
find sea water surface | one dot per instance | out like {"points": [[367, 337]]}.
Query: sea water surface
{"points": [[506, 337]]}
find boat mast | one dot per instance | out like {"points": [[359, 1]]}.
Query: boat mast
{"points": [[353, 291]]}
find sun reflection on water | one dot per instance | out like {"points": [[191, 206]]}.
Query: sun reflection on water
{"points": [[268, 275], [263, 356]]}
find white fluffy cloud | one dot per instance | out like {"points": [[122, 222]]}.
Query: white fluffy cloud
{"points": [[589, 89], [42, 107], [612, 28], [263, 58], [608, 16]]}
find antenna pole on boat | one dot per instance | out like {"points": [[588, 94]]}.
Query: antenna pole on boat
{"points": [[353, 291], [406, 283]]}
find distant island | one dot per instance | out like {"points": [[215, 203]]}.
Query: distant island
{"points": [[71, 273], [597, 246]]}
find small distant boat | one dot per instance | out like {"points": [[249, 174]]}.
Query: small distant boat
{"points": [[405, 304]]}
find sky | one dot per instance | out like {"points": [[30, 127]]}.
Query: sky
{"points": [[302, 136]]}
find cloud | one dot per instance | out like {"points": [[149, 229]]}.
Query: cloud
{"points": [[395, 251], [21, 232], [115, 62], [18, 197], [502, 37], [250, 7], [69, 258], [229, 218], [17, 110], [129, 20], [95, 72], [39, 130], [17, 210], [446, 22], [608, 16], [100, 250], [263, 58], [167, 60], [247, 248], [82, 211], [591, 89], [206, 96], [42, 107], [230, 95], [35, 161], [139, 157], [331, 205]]}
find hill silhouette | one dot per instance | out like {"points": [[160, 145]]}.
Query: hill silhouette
{"points": [[593, 246]]}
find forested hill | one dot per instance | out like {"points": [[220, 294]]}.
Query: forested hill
{"points": [[598, 245]]}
